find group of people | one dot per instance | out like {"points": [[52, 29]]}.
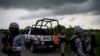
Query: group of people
{"points": [[80, 46], [14, 43], [85, 47]]}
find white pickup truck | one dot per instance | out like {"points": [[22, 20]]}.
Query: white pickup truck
{"points": [[40, 38]]}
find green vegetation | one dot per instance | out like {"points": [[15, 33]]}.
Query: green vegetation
{"points": [[98, 43]]}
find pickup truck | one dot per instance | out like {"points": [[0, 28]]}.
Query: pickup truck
{"points": [[39, 37]]}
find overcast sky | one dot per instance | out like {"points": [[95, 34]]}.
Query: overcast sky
{"points": [[85, 13]]}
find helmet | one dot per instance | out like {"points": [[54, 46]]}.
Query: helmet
{"points": [[14, 25], [78, 29]]}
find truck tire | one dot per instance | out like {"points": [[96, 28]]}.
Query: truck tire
{"points": [[27, 45], [32, 48]]}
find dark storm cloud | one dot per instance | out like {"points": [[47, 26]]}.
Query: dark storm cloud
{"points": [[35, 3], [96, 7], [85, 7], [57, 7]]}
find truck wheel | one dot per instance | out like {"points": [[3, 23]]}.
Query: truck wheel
{"points": [[27, 45], [54, 48], [32, 48]]}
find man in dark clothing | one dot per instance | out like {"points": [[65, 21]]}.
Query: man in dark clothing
{"points": [[62, 42], [76, 44], [9, 37], [86, 43], [93, 44]]}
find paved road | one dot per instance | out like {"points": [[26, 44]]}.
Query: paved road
{"points": [[26, 52]]}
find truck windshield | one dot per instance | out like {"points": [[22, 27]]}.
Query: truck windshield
{"points": [[38, 31]]}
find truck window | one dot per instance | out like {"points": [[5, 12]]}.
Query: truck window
{"points": [[26, 31], [34, 31], [38, 31]]}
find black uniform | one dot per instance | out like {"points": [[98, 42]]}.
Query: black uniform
{"points": [[8, 40]]}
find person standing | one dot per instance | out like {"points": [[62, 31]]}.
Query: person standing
{"points": [[9, 40], [93, 44], [62, 42], [87, 43], [76, 44]]}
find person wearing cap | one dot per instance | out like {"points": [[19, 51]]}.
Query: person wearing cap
{"points": [[75, 42], [62, 42], [93, 44], [12, 41], [87, 43]]}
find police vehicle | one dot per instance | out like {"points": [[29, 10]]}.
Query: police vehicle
{"points": [[40, 36]]}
